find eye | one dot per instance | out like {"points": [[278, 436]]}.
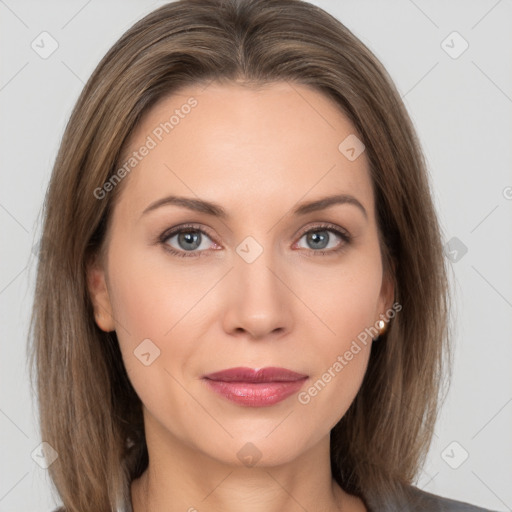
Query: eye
{"points": [[186, 241], [324, 237]]}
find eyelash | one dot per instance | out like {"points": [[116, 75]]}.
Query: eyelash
{"points": [[164, 237]]}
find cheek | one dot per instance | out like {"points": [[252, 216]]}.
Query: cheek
{"points": [[346, 302], [340, 360], [342, 300], [152, 298], [153, 310], [161, 309]]}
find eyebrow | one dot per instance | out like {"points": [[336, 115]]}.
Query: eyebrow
{"points": [[216, 210]]}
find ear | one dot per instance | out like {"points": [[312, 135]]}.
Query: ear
{"points": [[97, 286], [387, 294]]}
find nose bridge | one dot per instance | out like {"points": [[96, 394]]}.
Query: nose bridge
{"points": [[255, 268], [258, 297]]}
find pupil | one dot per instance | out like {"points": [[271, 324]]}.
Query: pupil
{"points": [[190, 237], [316, 238]]}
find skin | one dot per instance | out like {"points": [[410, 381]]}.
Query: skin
{"points": [[257, 153]]}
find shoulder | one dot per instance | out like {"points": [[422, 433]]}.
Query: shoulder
{"points": [[422, 501], [127, 508]]}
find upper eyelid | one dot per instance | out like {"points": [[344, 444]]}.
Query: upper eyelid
{"points": [[324, 225], [168, 233]]}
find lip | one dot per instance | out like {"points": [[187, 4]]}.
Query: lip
{"points": [[244, 374], [255, 387]]}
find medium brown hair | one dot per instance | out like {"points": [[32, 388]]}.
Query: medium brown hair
{"points": [[89, 412]]}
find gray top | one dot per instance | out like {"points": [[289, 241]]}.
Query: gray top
{"points": [[417, 500]]}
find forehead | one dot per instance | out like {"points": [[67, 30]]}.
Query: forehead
{"points": [[236, 144]]}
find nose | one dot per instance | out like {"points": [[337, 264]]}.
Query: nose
{"points": [[258, 303]]}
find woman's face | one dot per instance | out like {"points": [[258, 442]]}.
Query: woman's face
{"points": [[267, 283]]}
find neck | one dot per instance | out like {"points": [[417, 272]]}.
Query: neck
{"points": [[182, 477], [188, 480]]}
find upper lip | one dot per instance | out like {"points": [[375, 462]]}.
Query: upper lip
{"points": [[243, 374]]}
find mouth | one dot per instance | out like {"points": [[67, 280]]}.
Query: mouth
{"points": [[255, 387]]}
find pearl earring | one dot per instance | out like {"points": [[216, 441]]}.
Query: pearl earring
{"points": [[382, 329]]}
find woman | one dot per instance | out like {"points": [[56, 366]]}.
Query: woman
{"points": [[243, 300]]}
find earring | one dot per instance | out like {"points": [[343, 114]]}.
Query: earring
{"points": [[382, 329]]}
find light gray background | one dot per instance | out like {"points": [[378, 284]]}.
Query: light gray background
{"points": [[461, 108]]}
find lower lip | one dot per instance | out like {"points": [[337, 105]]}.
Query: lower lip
{"points": [[254, 394]]}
